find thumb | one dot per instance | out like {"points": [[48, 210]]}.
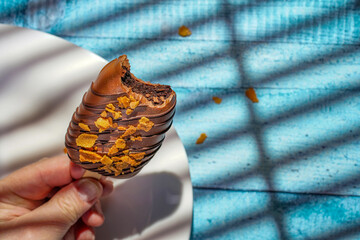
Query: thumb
{"points": [[67, 206]]}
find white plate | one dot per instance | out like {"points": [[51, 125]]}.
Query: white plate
{"points": [[42, 80]]}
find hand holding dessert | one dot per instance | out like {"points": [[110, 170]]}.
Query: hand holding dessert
{"points": [[49, 199]]}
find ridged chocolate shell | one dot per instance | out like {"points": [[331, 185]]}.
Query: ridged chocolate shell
{"points": [[155, 106]]}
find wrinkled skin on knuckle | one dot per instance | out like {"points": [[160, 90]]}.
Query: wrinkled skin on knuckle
{"points": [[69, 207]]}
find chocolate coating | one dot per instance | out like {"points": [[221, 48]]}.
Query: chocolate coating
{"points": [[149, 116]]}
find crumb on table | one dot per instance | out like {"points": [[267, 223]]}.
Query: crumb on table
{"points": [[251, 94], [184, 31], [201, 139], [217, 100]]}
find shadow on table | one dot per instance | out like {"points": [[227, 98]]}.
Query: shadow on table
{"points": [[277, 209], [19, 163], [139, 203]]}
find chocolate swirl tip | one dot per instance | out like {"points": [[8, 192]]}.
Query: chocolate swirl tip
{"points": [[120, 123]]}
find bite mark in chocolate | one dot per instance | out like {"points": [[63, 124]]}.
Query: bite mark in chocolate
{"points": [[153, 93]]}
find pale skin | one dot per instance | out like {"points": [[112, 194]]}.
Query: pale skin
{"points": [[49, 199]]}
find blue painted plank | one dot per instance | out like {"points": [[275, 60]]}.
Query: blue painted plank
{"points": [[292, 140], [308, 21], [192, 64], [254, 215]]}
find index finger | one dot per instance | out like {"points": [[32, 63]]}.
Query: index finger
{"points": [[35, 181]]}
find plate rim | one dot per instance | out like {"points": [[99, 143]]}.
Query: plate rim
{"points": [[187, 181]]}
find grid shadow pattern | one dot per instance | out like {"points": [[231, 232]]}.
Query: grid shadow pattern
{"points": [[276, 208]]}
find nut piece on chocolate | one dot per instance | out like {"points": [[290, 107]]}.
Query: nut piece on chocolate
{"points": [[120, 123]]}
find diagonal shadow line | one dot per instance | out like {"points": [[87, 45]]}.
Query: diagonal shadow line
{"points": [[266, 174], [26, 160], [270, 77], [242, 222], [275, 214], [4, 13], [307, 23], [202, 101], [238, 55], [301, 156], [137, 8], [7, 77], [291, 70], [235, 224], [299, 67], [218, 16], [117, 14], [21, 9], [311, 63], [131, 10], [221, 15], [47, 109], [285, 159], [258, 133], [278, 217], [340, 234], [290, 158], [171, 32], [226, 136], [293, 29], [326, 191], [163, 77]]}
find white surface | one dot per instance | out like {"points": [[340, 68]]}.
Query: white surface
{"points": [[42, 80]]}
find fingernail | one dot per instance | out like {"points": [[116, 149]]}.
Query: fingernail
{"points": [[88, 189], [76, 171], [87, 234]]}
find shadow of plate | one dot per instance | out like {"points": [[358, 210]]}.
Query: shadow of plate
{"points": [[139, 203]]}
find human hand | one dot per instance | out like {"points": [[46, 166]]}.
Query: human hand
{"points": [[49, 200]]}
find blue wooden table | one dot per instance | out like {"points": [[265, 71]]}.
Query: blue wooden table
{"points": [[287, 167]]}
